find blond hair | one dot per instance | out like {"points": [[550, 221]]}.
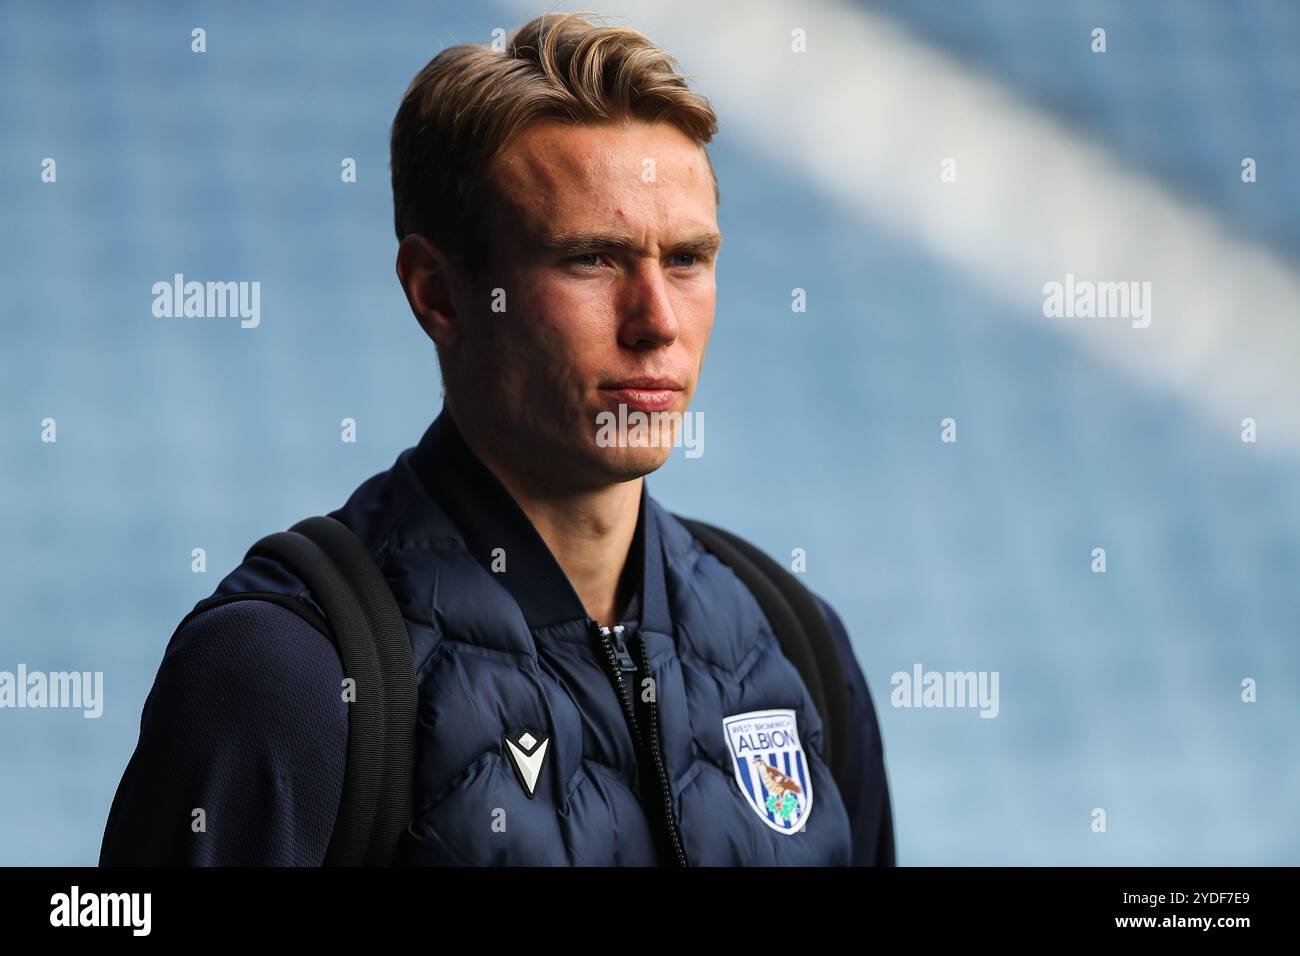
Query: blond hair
{"points": [[470, 101]]}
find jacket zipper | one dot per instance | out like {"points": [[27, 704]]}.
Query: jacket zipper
{"points": [[618, 662]]}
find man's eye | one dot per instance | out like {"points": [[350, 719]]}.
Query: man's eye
{"points": [[689, 255], [582, 260]]}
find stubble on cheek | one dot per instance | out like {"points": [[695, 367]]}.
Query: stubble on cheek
{"points": [[521, 363]]}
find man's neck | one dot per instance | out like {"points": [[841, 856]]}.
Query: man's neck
{"points": [[589, 532]]}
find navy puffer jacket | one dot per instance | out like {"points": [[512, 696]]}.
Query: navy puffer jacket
{"points": [[529, 750]]}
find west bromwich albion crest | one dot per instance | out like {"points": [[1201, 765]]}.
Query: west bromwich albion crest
{"points": [[771, 768]]}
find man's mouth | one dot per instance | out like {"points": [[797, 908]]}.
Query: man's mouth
{"points": [[644, 394]]}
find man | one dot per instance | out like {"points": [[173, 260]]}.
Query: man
{"points": [[555, 208]]}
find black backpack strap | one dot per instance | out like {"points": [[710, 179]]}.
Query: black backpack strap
{"points": [[367, 627], [801, 628]]}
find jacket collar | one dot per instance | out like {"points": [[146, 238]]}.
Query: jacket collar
{"points": [[489, 518]]}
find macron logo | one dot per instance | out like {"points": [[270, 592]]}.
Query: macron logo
{"points": [[527, 754]]}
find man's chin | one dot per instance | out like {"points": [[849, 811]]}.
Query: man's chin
{"points": [[628, 464]]}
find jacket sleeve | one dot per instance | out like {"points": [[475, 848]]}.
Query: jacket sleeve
{"points": [[242, 749], [866, 795]]}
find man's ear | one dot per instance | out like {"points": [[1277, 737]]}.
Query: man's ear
{"points": [[424, 273]]}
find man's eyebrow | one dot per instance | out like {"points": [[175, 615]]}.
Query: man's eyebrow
{"points": [[578, 244]]}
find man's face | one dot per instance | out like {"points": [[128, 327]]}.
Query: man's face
{"points": [[604, 246]]}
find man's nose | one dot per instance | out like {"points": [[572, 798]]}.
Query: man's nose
{"points": [[648, 317]]}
